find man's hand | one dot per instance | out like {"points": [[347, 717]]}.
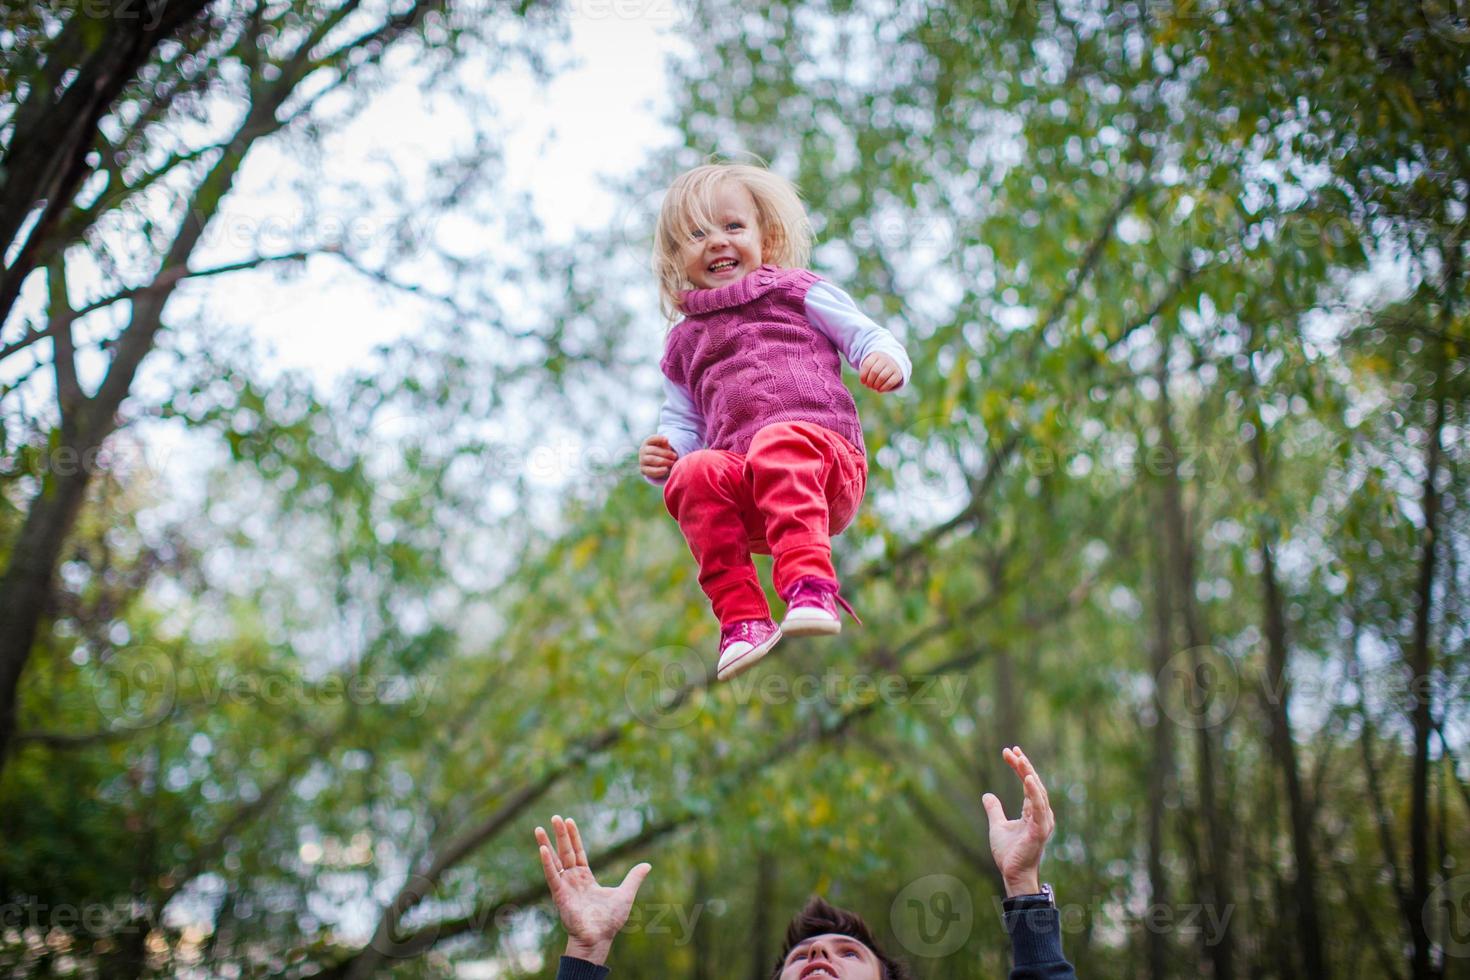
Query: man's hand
{"points": [[656, 458], [880, 372], [590, 913], [1016, 845]]}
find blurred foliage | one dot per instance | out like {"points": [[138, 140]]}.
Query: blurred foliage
{"points": [[1183, 288]]}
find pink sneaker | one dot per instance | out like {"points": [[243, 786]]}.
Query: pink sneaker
{"points": [[744, 643], [811, 608]]}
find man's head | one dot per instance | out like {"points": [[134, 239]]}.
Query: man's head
{"points": [[822, 938]]}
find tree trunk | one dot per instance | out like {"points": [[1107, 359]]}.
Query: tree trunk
{"points": [[25, 588], [1216, 879], [1283, 745], [1420, 666], [1161, 773]]}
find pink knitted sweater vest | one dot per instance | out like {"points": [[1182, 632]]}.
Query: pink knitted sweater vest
{"points": [[749, 357]]}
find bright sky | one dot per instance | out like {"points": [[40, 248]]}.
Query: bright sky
{"points": [[600, 119]]}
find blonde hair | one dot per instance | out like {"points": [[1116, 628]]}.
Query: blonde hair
{"points": [[786, 231]]}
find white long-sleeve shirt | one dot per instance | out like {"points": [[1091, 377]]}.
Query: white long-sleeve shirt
{"points": [[834, 314]]}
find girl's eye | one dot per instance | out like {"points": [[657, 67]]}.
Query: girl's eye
{"points": [[734, 226], [849, 952], [696, 234]]}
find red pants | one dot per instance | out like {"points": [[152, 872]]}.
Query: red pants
{"points": [[798, 485]]}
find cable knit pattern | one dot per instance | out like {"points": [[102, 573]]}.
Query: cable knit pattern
{"points": [[748, 357]]}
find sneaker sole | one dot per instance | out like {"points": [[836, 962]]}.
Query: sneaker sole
{"points": [[748, 659], [810, 626]]}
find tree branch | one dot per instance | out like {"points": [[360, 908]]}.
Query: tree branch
{"points": [[60, 316], [26, 340], [172, 277]]}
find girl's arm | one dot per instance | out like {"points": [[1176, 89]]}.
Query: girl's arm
{"points": [[851, 331]]}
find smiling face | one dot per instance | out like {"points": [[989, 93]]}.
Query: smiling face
{"points": [[731, 249], [831, 955]]}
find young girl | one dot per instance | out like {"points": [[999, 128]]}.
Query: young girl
{"points": [[758, 439]]}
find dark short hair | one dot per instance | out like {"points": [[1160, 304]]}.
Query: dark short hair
{"points": [[819, 919]]}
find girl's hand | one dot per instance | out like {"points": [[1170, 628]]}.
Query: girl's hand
{"points": [[880, 372], [656, 458], [590, 913]]}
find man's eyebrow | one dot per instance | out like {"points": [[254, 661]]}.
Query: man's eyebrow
{"points": [[840, 941]]}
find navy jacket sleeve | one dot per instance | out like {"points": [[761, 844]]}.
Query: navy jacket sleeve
{"points": [[572, 968], [1036, 942]]}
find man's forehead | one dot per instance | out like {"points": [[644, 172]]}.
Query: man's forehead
{"points": [[831, 936]]}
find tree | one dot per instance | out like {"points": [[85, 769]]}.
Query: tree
{"points": [[292, 59]]}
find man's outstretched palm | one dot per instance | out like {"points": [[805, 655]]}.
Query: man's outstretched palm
{"points": [[1017, 844], [591, 913]]}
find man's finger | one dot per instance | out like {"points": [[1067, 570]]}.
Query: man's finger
{"points": [[1042, 798], [578, 850], [1036, 798], [1030, 770], [634, 881], [1020, 763], [563, 843], [545, 843], [549, 868], [994, 811]]}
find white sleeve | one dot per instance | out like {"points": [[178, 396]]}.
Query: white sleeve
{"points": [[679, 422], [851, 331]]}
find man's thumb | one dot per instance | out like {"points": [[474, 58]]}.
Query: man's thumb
{"points": [[994, 812], [634, 880]]}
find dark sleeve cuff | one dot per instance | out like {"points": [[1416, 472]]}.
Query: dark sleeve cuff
{"points": [[1036, 932], [572, 968]]}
